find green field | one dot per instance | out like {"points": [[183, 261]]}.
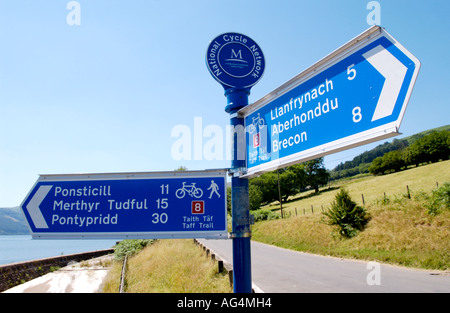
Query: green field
{"points": [[423, 178], [400, 230]]}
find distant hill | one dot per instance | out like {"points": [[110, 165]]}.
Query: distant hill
{"points": [[12, 222], [413, 138], [360, 164]]}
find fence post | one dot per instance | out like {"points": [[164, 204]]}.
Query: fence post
{"points": [[122, 275]]}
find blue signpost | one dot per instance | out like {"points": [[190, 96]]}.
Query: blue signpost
{"points": [[237, 63], [133, 205], [356, 95]]}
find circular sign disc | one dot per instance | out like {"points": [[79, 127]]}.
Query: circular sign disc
{"points": [[235, 60]]}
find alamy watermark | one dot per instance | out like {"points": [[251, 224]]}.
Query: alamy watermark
{"points": [[374, 16], [208, 143], [374, 276], [74, 16]]}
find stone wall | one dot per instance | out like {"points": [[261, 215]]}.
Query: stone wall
{"points": [[17, 273]]}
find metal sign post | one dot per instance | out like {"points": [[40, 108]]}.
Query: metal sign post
{"points": [[237, 63], [241, 233]]}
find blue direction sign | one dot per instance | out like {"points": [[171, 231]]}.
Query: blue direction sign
{"points": [[235, 60], [133, 205], [356, 95]]}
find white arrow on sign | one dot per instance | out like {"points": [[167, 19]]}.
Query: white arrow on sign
{"points": [[33, 206], [394, 72]]}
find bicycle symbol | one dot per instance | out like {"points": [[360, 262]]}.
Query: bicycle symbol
{"points": [[190, 190], [257, 122]]}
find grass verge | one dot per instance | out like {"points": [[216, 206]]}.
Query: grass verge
{"points": [[170, 266]]}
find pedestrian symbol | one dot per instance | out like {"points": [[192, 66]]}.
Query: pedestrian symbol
{"points": [[214, 189]]}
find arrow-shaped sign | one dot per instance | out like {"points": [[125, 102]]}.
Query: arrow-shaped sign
{"points": [[190, 204], [356, 95]]}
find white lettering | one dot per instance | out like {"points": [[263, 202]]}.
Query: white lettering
{"points": [[297, 120], [235, 55], [298, 102], [238, 38], [86, 191], [81, 221], [277, 145]]}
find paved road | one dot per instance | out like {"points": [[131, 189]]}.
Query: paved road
{"points": [[280, 270]]}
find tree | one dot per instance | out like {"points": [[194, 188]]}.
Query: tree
{"points": [[288, 184], [268, 186], [255, 197], [300, 178], [415, 153], [432, 147], [293, 179], [344, 213], [316, 174], [376, 167], [436, 146], [393, 161]]}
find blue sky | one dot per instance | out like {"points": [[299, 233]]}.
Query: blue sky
{"points": [[105, 95]]}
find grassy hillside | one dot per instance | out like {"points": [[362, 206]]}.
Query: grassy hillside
{"points": [[360, 163], [423, 178], [400, 230], [413, 138]]}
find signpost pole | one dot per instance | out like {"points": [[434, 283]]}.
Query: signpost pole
{"points": [[237, 63], [237, 98]]}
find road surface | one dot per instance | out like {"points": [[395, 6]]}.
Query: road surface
{"points": [[280, 270]]}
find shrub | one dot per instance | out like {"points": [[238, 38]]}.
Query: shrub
{"points": [[439, 200], [265, 215], [344, 213], [130, 247]]}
